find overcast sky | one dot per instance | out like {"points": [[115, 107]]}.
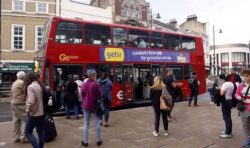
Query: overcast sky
{"points": [[232, 16]]}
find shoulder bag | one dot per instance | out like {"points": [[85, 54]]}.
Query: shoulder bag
{"points": [[241, 104]]}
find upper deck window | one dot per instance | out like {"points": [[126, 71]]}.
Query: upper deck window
{"points": [[138, 38], [156, 40], [187, 43], [172, 42], [69, 32], [120, 37], [97, 34]]}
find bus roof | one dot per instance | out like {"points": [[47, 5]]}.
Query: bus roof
{"points": [[120, 25]]}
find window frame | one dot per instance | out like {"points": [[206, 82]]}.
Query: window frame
{"points": [[81, 29], [12, 36], [36, 36], [47, 7], [13, 6], [113, 36]]}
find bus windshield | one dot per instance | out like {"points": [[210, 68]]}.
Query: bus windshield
{"points": [[45, 35]]}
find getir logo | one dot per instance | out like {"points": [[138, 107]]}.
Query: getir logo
{"points": [[114, 54], [64, 57]]}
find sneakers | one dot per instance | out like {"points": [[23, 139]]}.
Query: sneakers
{"points": [[85, 144], [15, 140], [155, 134], [98, 143], [106, 125], [166, 133], [24, 140], [225, 136], [211, 102]]}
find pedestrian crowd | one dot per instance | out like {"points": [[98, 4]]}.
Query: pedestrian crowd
{"points": [[33, 104]]}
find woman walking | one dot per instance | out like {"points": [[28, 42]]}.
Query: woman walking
{"points": [[243, 94], [155, 94], [35, 118]]}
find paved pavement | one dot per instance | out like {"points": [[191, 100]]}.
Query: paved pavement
{"points": [[194, 127]]}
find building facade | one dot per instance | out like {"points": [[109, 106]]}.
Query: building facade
{"points": [[130, 12], [193, 26], [77, 10], [21, 30], [229, 56]]}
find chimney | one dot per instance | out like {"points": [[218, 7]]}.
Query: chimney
{"points": [[173, 22], [192, 17]]}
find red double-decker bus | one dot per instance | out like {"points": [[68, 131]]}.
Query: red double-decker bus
{"points": [[131, 56]]}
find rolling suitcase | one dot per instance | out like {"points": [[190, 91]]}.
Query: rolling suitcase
{"points": [[50, 129]]}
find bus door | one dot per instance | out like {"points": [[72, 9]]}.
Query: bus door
{"points": [[61, 75], [143, 80], [128, 82], [157, 70]]}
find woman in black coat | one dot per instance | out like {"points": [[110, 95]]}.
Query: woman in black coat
{"points": [[155, 94]]}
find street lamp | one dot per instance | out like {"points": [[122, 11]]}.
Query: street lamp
{"points": [[220, 31], [152, 15]]}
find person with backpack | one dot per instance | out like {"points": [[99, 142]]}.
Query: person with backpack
{"points": [[106, 86], [226, 91], [235, 79], [243, 94]]}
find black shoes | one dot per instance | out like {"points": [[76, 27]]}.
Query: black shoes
{"points": [[98, 143], [85, 144]]}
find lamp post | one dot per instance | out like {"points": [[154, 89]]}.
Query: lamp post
{"points": [[220, 31], [152, 15]]}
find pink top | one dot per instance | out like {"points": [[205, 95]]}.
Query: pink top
{"points": [[241, 91]]}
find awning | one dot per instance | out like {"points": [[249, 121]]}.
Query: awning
{"points": [[15, 67]]}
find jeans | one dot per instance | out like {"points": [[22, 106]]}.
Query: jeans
{"points": [[211, 93], [67, 108], [106, 111], [194, 94], [226, 106], [87, 114], [39, 124]]}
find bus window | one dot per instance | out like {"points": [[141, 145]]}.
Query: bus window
{"points": [[138, 38], [97, 34], [187, 71], [177, 71], [118, 74], [120, 37], [156, 40], [172, 42], [101, 68], [187, 43], [68, 32]]}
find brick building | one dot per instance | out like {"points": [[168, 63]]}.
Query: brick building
{"points": [[130, 12], [21, 31]]}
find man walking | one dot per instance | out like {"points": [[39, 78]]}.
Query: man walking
{"points": [[194, 84], [18, 107]]}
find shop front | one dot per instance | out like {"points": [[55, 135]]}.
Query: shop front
{"points": [[8, 75]]}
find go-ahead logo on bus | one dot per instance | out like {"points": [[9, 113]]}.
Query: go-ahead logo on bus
{"points": [[114, 54], [64, 57]]}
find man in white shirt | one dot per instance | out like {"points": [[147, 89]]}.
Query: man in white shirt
{"points": [[227, 89], [142, 44]]}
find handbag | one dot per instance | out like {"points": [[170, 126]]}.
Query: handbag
{"points": [[165, 100], [241, 104], [99, 106]]}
